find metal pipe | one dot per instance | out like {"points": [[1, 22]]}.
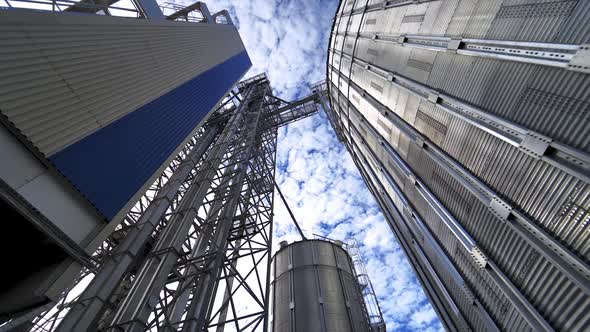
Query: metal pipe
{"points": [[290, 212], [91, 303]]}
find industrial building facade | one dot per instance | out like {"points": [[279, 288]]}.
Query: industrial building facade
{"points": [[93, 109], [469, 121]]}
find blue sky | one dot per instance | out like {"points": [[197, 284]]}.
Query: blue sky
{"points": [[287, 39]]}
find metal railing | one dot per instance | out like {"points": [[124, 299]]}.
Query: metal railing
{"points": [[124, 8], [351, 246], [170, 8], [372, 303], [195, 13]]}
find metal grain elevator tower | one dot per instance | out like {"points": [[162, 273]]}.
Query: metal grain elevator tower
{"points": [[469, 122], [93, 107], [194, 253], [152, 176]]}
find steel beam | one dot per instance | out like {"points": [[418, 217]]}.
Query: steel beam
{"points": [[133, 313], [85, 313], [564, 259], [50, 318], [545, 54], [177, 261], [525, 308], [200, 306], [198, 6], [568, 159]]}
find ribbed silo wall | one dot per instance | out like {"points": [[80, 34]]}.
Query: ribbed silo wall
{"points": [[107, 101], [428, 96], [315, 289]]}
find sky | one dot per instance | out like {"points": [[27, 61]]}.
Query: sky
{"points": [[288, 40]]}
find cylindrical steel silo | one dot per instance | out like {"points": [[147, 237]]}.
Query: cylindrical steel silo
{"points": [[315, 289], [463, 118]]}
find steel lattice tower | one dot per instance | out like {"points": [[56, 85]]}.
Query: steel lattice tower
{"points": [[194, 252]]}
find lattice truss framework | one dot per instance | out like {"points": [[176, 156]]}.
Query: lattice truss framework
{"points": [[194, 252]]}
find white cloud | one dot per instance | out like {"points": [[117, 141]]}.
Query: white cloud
{"points": [[423, 317], [285, 39]]}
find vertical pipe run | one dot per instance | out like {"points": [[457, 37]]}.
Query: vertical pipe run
{"points": [[91, 303], [133, 312], [290, 212]]}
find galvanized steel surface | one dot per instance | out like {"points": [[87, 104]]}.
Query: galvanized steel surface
{"points": [[315, 289], [112, 97], [65, 76], [488, 153]]}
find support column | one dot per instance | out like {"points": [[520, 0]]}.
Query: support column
{"points": [[133, 313], [201, 304], [86, 312]]}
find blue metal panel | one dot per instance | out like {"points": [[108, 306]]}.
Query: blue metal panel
{"points": [[109, 166]]}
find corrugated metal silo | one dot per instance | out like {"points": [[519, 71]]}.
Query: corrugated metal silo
{"points": [[315, 289], [469, 123]]}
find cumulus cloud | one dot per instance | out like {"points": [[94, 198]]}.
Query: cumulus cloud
{"points": [[285, 39], [288, 39]]}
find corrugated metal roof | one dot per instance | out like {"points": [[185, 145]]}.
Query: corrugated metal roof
{"points": [[110, 165]]}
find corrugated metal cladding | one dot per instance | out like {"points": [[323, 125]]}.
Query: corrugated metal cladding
{"points": [[314, 281], [108, 99], [469, 152]]}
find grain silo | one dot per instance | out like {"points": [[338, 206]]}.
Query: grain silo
{"points": [[93, 108], [315, 288], [468, 121]]}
